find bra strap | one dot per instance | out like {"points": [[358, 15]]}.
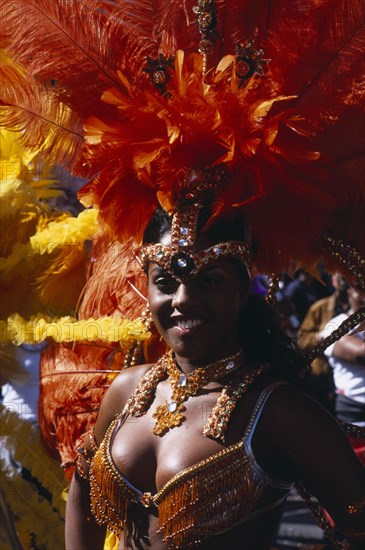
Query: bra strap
{"points": [[250, 430], [259, 407]]}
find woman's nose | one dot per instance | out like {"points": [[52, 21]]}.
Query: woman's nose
{"points": [[185, 296]]}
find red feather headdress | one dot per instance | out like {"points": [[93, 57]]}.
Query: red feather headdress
{"points": [[290, 138]]}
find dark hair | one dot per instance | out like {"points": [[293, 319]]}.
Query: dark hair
{"points": [[266, 342], [263, 339], [230, 226], [160, 223]]}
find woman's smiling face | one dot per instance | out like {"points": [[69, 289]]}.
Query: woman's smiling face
{"points": [[199, 318]]}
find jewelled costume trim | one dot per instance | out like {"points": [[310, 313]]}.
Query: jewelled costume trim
{"points": [[205, 499], [110, 492]]}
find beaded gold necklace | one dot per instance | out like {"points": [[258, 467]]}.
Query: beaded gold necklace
{"points": [[170, 415]]}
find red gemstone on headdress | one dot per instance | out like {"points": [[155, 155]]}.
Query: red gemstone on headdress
{"points": [[242, 69], [190, 196]]}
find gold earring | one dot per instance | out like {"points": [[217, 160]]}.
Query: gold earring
{"points": [[134, 355]]}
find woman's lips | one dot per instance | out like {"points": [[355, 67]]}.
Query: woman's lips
{"points": [[185, 326]]}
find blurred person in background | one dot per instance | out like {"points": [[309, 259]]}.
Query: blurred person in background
{"points": [[300, 294], [347, 359], [321, 384]]}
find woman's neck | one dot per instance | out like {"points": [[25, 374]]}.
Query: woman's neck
{"points": [[189, 365]]}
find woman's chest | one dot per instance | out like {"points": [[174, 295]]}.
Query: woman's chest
{"points": [[148, 461]]}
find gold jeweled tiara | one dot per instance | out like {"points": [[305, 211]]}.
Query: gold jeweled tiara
{"points": [[180, 256]]}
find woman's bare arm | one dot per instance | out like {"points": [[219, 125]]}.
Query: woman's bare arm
{"points": [[312, 444], [350, 348], [82, 531]]}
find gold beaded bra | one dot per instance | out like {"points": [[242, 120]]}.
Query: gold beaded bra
{"points": [[202, 500]]}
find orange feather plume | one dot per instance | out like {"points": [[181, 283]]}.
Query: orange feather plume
{"points": [[45, 124], [116, 284], [74, 377], [73, 380], [278, 134]]}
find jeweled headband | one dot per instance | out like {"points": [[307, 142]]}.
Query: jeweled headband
{"points": [[180, 257]]}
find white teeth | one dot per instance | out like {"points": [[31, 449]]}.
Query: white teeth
{"points": [[191, 323]]}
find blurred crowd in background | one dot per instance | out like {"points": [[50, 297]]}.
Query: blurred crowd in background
{"points": [[310, 309]]}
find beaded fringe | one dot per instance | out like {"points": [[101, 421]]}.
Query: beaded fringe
{"points": [[106, 488], [205, 502]]}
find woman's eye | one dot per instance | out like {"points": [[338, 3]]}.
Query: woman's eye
{"points": [[165, 282], [209, 280]]}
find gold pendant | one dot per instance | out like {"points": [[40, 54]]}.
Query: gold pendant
{"points": [[168, 416]]}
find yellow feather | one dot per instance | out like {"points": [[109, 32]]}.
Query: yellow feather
{"points": [[19, 213], [23, 440], [66, 230], [34, 514], [18, 163], [69, 329], [44, 124], [30, 230], [111, 541]]}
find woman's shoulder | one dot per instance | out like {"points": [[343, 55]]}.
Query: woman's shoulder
{"points": [[307, 443], [299, 428], [117, 395], [127, 381], [289, 406]]}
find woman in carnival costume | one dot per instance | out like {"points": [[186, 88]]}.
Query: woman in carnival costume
{"points": [[213, 155]]}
